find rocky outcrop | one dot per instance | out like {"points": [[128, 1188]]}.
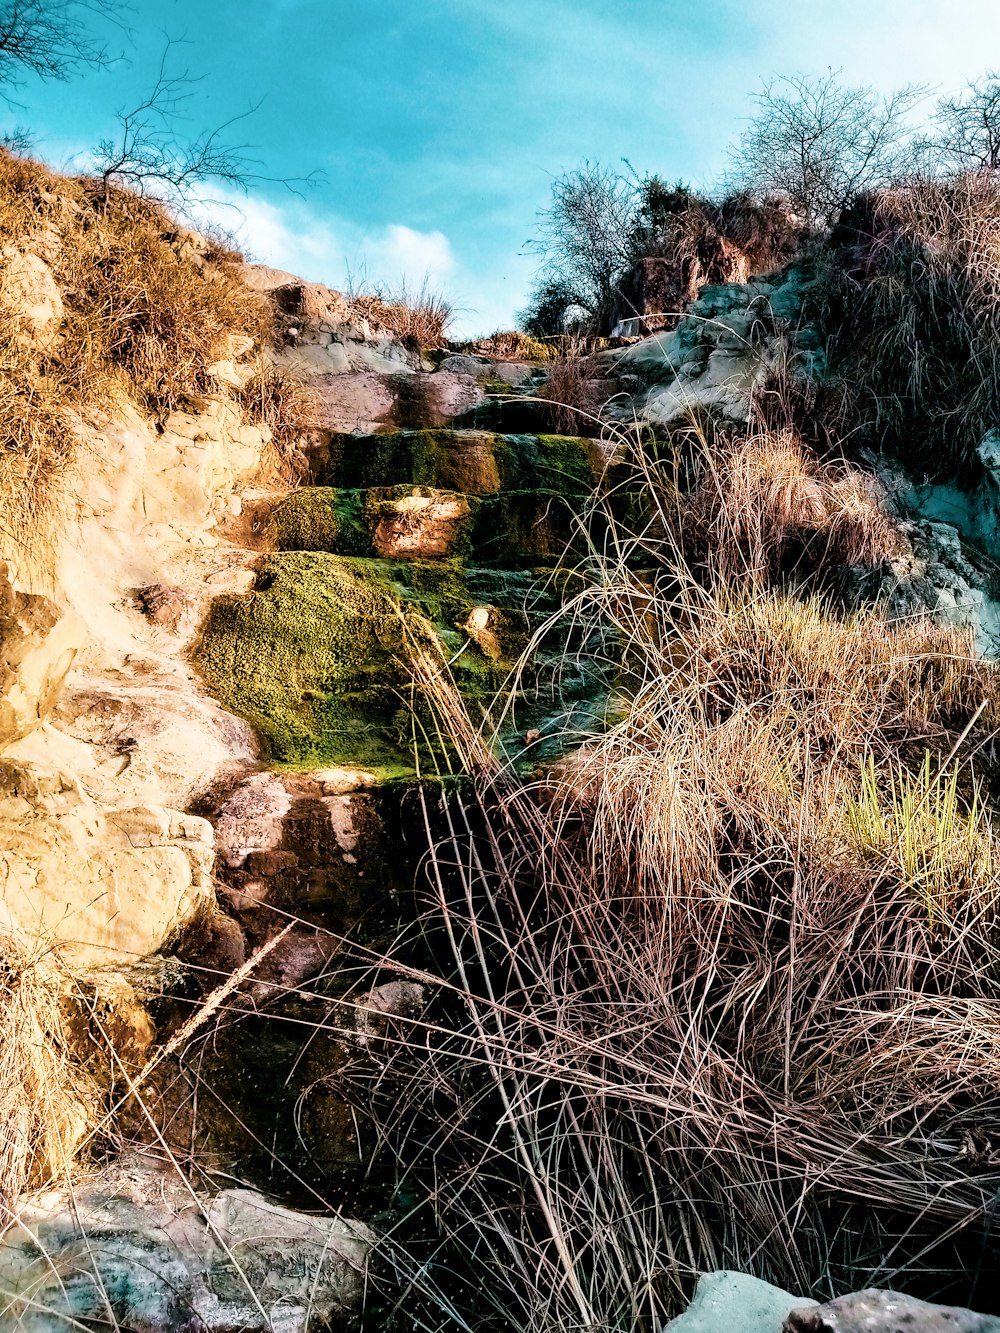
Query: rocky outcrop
{"points": [[136, 1246], [101, 886], [730, 340], [37, 648], [31, 299]]}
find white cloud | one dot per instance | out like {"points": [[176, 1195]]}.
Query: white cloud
{"points": [[410, 256], [330, 250], [335, 251]]}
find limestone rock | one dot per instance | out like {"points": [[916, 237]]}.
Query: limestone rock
{"points": [[420, 526], [887, 1312], [37, 649], [726, 1302], [138, 1246], [729, 340], [100, 886], [31, 295]]}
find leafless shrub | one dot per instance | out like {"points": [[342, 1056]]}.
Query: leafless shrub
{"points": [[818, 142]]}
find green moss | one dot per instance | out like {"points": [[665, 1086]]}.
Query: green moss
{"points": [[307, 520], [311, 658]]}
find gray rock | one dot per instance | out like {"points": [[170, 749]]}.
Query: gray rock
{"points": [[138, 1248], [887, 1312], [727, 1302]]}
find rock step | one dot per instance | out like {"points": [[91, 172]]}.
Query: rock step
{"points": [[473, 462]]}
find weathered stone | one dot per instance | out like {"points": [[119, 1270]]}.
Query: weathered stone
{"points": [[726, 1302], [875, 1311], [138, 1246], [420, 526], [37, 649], [98, 886], [32, 299]]}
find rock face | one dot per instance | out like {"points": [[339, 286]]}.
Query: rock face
{"points": [[37, 649], [730, 340], [102, 886], [31, 297], [887, 1312], [140, 1249]]}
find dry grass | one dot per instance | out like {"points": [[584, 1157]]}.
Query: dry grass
{"points": [[147, 308], [765, 506], [569, 390], [722, 986], [512, 345], [420, 318], [48, 1101], [915, 296]]}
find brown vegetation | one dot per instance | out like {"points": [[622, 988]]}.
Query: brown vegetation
{"points": [[419, 318], [913, 298], [720, 989], [146, 309]]}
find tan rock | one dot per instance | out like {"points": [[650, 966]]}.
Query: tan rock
{"points": [[421, 525], [31, 295], [98, 886], [37, 649]]}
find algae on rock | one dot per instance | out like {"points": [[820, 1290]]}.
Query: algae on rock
{"points": [[311, 658]]}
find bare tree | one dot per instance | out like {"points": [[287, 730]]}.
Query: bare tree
{"points": [[585, 234], [52, 38], [818, 142], [151, 155], [966, 133]]}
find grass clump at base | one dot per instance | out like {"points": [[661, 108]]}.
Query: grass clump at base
{"points": [[312, 658], [726, 976]]}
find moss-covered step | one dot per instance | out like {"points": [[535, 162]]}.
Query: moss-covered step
{"points": [[468, 461], [420, 522], [314, 656]]}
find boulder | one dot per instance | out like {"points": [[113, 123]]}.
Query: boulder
{"points": [[139, 1248], [99, 886], [887, 1312], [726, 1302]]}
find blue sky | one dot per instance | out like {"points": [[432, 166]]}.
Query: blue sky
{"points": [[438, 124]]}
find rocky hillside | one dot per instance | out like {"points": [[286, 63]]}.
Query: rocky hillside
{"points": [[279, 582]]}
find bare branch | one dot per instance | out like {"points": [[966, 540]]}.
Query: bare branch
{"points": [[53, 39], [817, 142], [153, 157]]}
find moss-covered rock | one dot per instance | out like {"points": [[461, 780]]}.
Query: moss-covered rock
{"points": [[311, 657]]}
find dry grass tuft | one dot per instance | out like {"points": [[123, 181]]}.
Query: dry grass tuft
{"points": [[914, 293], [570, 391], [419, 318], [720, 989], [764, 507], [47, 1100], [513, 345]]}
